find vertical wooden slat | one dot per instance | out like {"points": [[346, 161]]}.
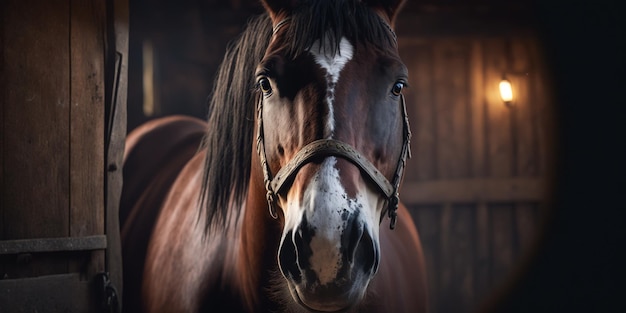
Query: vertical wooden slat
{"points": [[526, 225], [483, 251], [3, 78], [541, 111], [427, 221], [524, 109], [499, 149], [450, 86], [445, 269], [117, 63], [87, 123], [36, 116], [477, 110], [526, 140], [502, 242], [421, 111], [36, 120], [457, 258]]}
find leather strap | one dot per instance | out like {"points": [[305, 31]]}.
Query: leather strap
{"points": [[324, 148]]}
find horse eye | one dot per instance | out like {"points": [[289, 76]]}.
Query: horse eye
{"points": [[265, 85], [397, 88]]}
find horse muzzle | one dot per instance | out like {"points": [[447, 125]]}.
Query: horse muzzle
{"points": [[328, 269]]}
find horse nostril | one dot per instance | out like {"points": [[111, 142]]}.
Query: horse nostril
{"points": [[288, 259], [361, 248], [368, 252], [353, 239]]}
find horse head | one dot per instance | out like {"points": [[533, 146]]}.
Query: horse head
{"points": [[332, 138]]}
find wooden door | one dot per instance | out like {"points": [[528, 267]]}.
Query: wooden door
{"points": [[62, 103]]}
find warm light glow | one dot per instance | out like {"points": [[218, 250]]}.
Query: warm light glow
{"points": [[506, 93], [148, 79]]}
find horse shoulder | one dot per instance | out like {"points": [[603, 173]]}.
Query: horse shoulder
{"points": [[180, 258]]}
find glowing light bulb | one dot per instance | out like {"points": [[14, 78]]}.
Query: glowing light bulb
{"points": [[506, 93]]}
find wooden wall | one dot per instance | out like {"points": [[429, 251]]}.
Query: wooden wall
{"points": [[478, 173]]}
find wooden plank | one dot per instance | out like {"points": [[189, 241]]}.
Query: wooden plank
{"points": [[451, 77], [445, 269], [543, 114], [56, 293], [3, 79], [457, 258], [36, 119], [116, 61], [421, 110], [526, 225], [64, 244], [483, 252], [502, 247], [525, 142], [36, 116], [87, 119], [499, 149], [427, 220], [87, 125], [474, 190], [525, 138], [477, 111]]}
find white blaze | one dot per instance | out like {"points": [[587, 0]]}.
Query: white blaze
{"points": [[325, 200], [333, 64]]}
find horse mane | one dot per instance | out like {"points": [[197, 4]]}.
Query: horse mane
{"points": [[228, 140], [229, 137]]}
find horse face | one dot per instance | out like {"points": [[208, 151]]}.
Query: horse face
{"points": [[329, 249]]}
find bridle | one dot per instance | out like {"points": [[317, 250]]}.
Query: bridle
{"points": [[323, 148]]}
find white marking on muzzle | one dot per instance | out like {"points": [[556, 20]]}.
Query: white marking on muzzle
{"points": [[333, 64], [325, 204]]}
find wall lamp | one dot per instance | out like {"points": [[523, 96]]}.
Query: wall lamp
{"points": [[506, 92]]}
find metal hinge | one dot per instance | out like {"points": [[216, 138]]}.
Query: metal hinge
{"points": [[109, 301]]}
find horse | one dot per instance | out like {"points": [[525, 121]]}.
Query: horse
{"points": [[280, 202]]}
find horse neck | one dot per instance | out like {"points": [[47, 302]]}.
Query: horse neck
{"points": [[258, 249]]}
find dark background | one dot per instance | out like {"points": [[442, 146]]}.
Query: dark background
{"points": [[579, 265]]}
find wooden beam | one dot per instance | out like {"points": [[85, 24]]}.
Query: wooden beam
{"points": [[87, 243], [473, 190]]}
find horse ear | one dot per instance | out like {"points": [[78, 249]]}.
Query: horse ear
{"points": [[278, 7], [389, 8]]}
